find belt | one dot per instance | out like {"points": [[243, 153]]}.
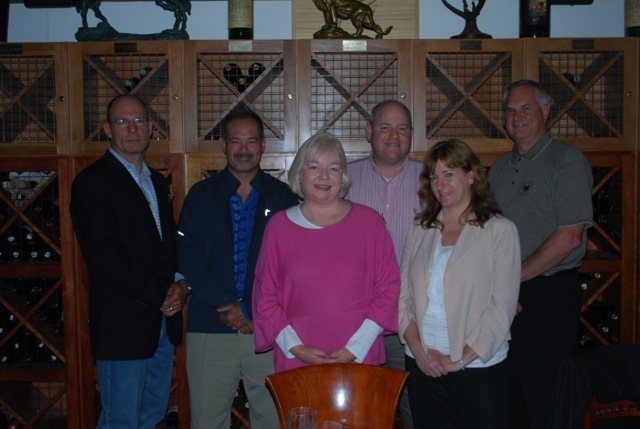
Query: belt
{"points": [[559, 273]]}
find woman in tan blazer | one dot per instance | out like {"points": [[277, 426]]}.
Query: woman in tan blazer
{"points": [[460, 281]]}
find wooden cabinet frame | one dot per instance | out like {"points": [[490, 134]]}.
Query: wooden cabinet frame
{"points": [[453, 87]]}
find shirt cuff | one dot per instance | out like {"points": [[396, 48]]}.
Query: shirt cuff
{"points": [[288, 339], [360, 343], [244, 311]]}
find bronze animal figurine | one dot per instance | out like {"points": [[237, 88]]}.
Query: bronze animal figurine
{"points": [[359, 13], [180, 9], [83, 7]]}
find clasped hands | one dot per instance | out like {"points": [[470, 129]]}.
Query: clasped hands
{"points": [[313, 356], [175, 299], [233, 316], [435, 364]]}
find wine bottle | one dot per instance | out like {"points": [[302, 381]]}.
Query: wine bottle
{"points": [[535, 18], [632, 18], [240, 19], [144, 72], [131, 83], [171, 419], [242, 83], [255, 70], [232, 73]]}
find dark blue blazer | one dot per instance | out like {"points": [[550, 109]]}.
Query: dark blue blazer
{"points": [[205, 244], [130, 266]]}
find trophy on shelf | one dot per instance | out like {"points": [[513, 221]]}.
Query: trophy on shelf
{"points": [[470, 16], [359, 13]]}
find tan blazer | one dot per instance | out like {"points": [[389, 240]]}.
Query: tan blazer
{"points": [[481, 284]]}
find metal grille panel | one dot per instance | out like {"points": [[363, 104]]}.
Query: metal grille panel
{"points": [[143, 75], [228, 81], [346, 86], [587, 91], [27, 94], [463, 94]]}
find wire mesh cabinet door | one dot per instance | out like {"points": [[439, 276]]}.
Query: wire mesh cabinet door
{"points": [[340, 81], [458, 85], [149, 70], [593, 85], [34, 95], [256, 75]]}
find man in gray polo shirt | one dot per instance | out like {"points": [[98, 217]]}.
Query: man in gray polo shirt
{"points": [[544, 187]]}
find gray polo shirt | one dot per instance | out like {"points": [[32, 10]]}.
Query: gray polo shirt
{"points": [[547, 188]]}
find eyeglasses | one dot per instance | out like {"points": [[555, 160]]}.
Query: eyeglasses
{"points": [[124, 122]]}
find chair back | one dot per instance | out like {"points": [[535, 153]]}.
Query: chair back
{"points": [[613, 410], [358, 396]]}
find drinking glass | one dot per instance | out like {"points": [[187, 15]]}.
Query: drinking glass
{"points": [[302, 418], [326, 424]]}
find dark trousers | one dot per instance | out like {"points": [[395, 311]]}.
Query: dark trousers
{"points": [[543, 334], [474, 398]]}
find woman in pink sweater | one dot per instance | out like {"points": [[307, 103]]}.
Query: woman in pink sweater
{"points": [[327, 279]]}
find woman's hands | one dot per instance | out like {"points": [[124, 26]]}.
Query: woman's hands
{"points": [[432, 362], [312, 356]]}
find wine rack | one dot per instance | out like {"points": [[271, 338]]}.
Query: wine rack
{"points": [[148, 70], [34, 116], [54, 99], [259, 79], [342, 83], [590, 82], [33, 344], [606, 303], [461, 93]]}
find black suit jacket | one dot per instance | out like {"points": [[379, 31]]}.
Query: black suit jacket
{"points": [[130, 267]]}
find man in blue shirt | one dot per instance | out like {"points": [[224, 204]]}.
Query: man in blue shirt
{"points": [[220, 232]]}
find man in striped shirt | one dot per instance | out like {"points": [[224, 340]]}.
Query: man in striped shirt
{"points": [[388, 182]]}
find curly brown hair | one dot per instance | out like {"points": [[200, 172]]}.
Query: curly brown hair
{"points": [[456, 154]]}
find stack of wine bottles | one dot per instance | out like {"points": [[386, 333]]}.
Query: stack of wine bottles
{"points": [[21, 244], [25, 349], [20, 346], [600, 315], [241, 405], [33, 237], [235, 76], [606, 207], [134, 81]]}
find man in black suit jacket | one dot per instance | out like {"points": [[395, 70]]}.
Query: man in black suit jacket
{"points": [[122, 217]]}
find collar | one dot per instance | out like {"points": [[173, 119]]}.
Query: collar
{"points": [[535, 151], [399, 169], [232, 182], [131, 168]]}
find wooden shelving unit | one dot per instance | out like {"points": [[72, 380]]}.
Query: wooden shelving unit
{"points": [[54, 98]]}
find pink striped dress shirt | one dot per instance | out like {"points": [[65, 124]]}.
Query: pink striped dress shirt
{"points": [[395, 199]]}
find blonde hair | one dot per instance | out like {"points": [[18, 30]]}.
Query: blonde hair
{"points": [[312, 149]]}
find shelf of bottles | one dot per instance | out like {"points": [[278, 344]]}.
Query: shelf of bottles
{"points": [[602, 290], [32, 354]]}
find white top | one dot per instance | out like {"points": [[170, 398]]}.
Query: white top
{"points": [[434, 326]]}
